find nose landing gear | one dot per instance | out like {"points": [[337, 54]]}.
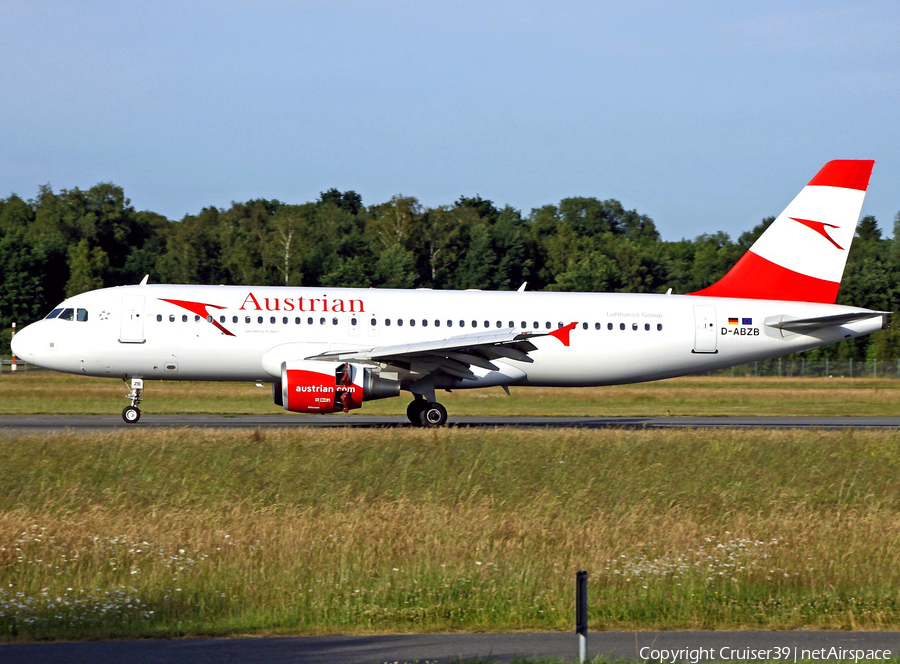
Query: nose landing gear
{"points": [[424, 413], [131, 414]]}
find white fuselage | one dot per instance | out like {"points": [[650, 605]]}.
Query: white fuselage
{"points": [[133, 331]]}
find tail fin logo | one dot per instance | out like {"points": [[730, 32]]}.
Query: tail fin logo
{"points": [[819, 227]]}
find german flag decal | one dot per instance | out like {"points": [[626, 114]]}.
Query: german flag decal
{"points": [[732, 321]]}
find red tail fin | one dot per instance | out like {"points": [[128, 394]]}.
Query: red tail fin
{"points": [[802, 254]]}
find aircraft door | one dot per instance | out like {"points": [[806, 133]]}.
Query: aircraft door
{"points": [[705, 329], [132, 324]]}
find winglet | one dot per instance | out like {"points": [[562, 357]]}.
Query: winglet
{"points": [[562, 333]]}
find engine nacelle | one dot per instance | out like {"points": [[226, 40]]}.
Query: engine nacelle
{"points": [[310, 386]]}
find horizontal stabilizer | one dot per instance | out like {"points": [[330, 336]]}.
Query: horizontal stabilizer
{"points": [[818, 322]]}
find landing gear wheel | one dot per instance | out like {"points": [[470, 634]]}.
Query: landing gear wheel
{"points": [[414, 411], [131, 414], [433, 415]]}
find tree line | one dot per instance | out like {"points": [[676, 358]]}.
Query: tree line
{"points": [[62, 243]]}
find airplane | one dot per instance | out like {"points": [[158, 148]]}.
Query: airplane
{"points": [[327, 350]]}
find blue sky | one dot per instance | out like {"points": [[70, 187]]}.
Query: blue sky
{"points": [[706, 116]]}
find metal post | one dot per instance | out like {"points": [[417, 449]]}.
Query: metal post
{"points": [[581, 613], [10, 341]]}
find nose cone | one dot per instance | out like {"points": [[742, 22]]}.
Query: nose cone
{"points": [[23, 345]]}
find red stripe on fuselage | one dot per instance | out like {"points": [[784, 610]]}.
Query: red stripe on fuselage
{"points": [[754, 277], [199, 308], [847, 173]]}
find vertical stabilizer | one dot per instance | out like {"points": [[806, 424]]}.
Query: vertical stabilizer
{"points": [[802, 254]]}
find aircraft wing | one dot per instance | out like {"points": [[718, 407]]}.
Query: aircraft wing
{"points": [[801, 325], [453, 355]]}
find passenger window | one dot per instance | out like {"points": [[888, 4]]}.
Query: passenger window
{"points": [[171, 318], [334, 321], [259, 320], [209, 319], [536, 325], [584, 326], [399, 322], [634, 326], [284, 320], [196, 318], [524, 324], [221, 319], [659, 327], [387, 322], [321, 321], [412, 322], [184, 318], [512, 324], [449, 323], [309, 321], [247, 319], [437, 323], [609, 326], [158, 318], [474, 323], [234, 319], [67, 314], [297, 320], [547, 324], [53, 314], [462, 323], [487, 323], [424, 323], [621, 326], [596, 326], [647, 327], [499, 324], [271, 320]]}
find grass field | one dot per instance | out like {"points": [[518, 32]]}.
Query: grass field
{"points": [[186, 532], [45, 392]]}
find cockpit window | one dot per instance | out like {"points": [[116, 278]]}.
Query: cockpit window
{"points": [[67, 314], [53, 314], [81, 315]]}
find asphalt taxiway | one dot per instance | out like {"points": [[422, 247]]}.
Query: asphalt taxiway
{"points": [[635, 646], [12, 424]]}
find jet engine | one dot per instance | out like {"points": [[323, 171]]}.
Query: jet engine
{"points": [[310, 386]]}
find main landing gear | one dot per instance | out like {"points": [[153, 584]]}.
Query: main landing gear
{"points": [[132, 413], [424, 413]]}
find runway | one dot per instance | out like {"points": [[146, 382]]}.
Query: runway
{"points": [[13, 424], [634, 646]]}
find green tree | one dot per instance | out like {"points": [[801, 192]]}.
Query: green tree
{"points": [[86, 267]]}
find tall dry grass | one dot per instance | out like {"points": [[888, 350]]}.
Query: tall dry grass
{"points": [[317, 531]]}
